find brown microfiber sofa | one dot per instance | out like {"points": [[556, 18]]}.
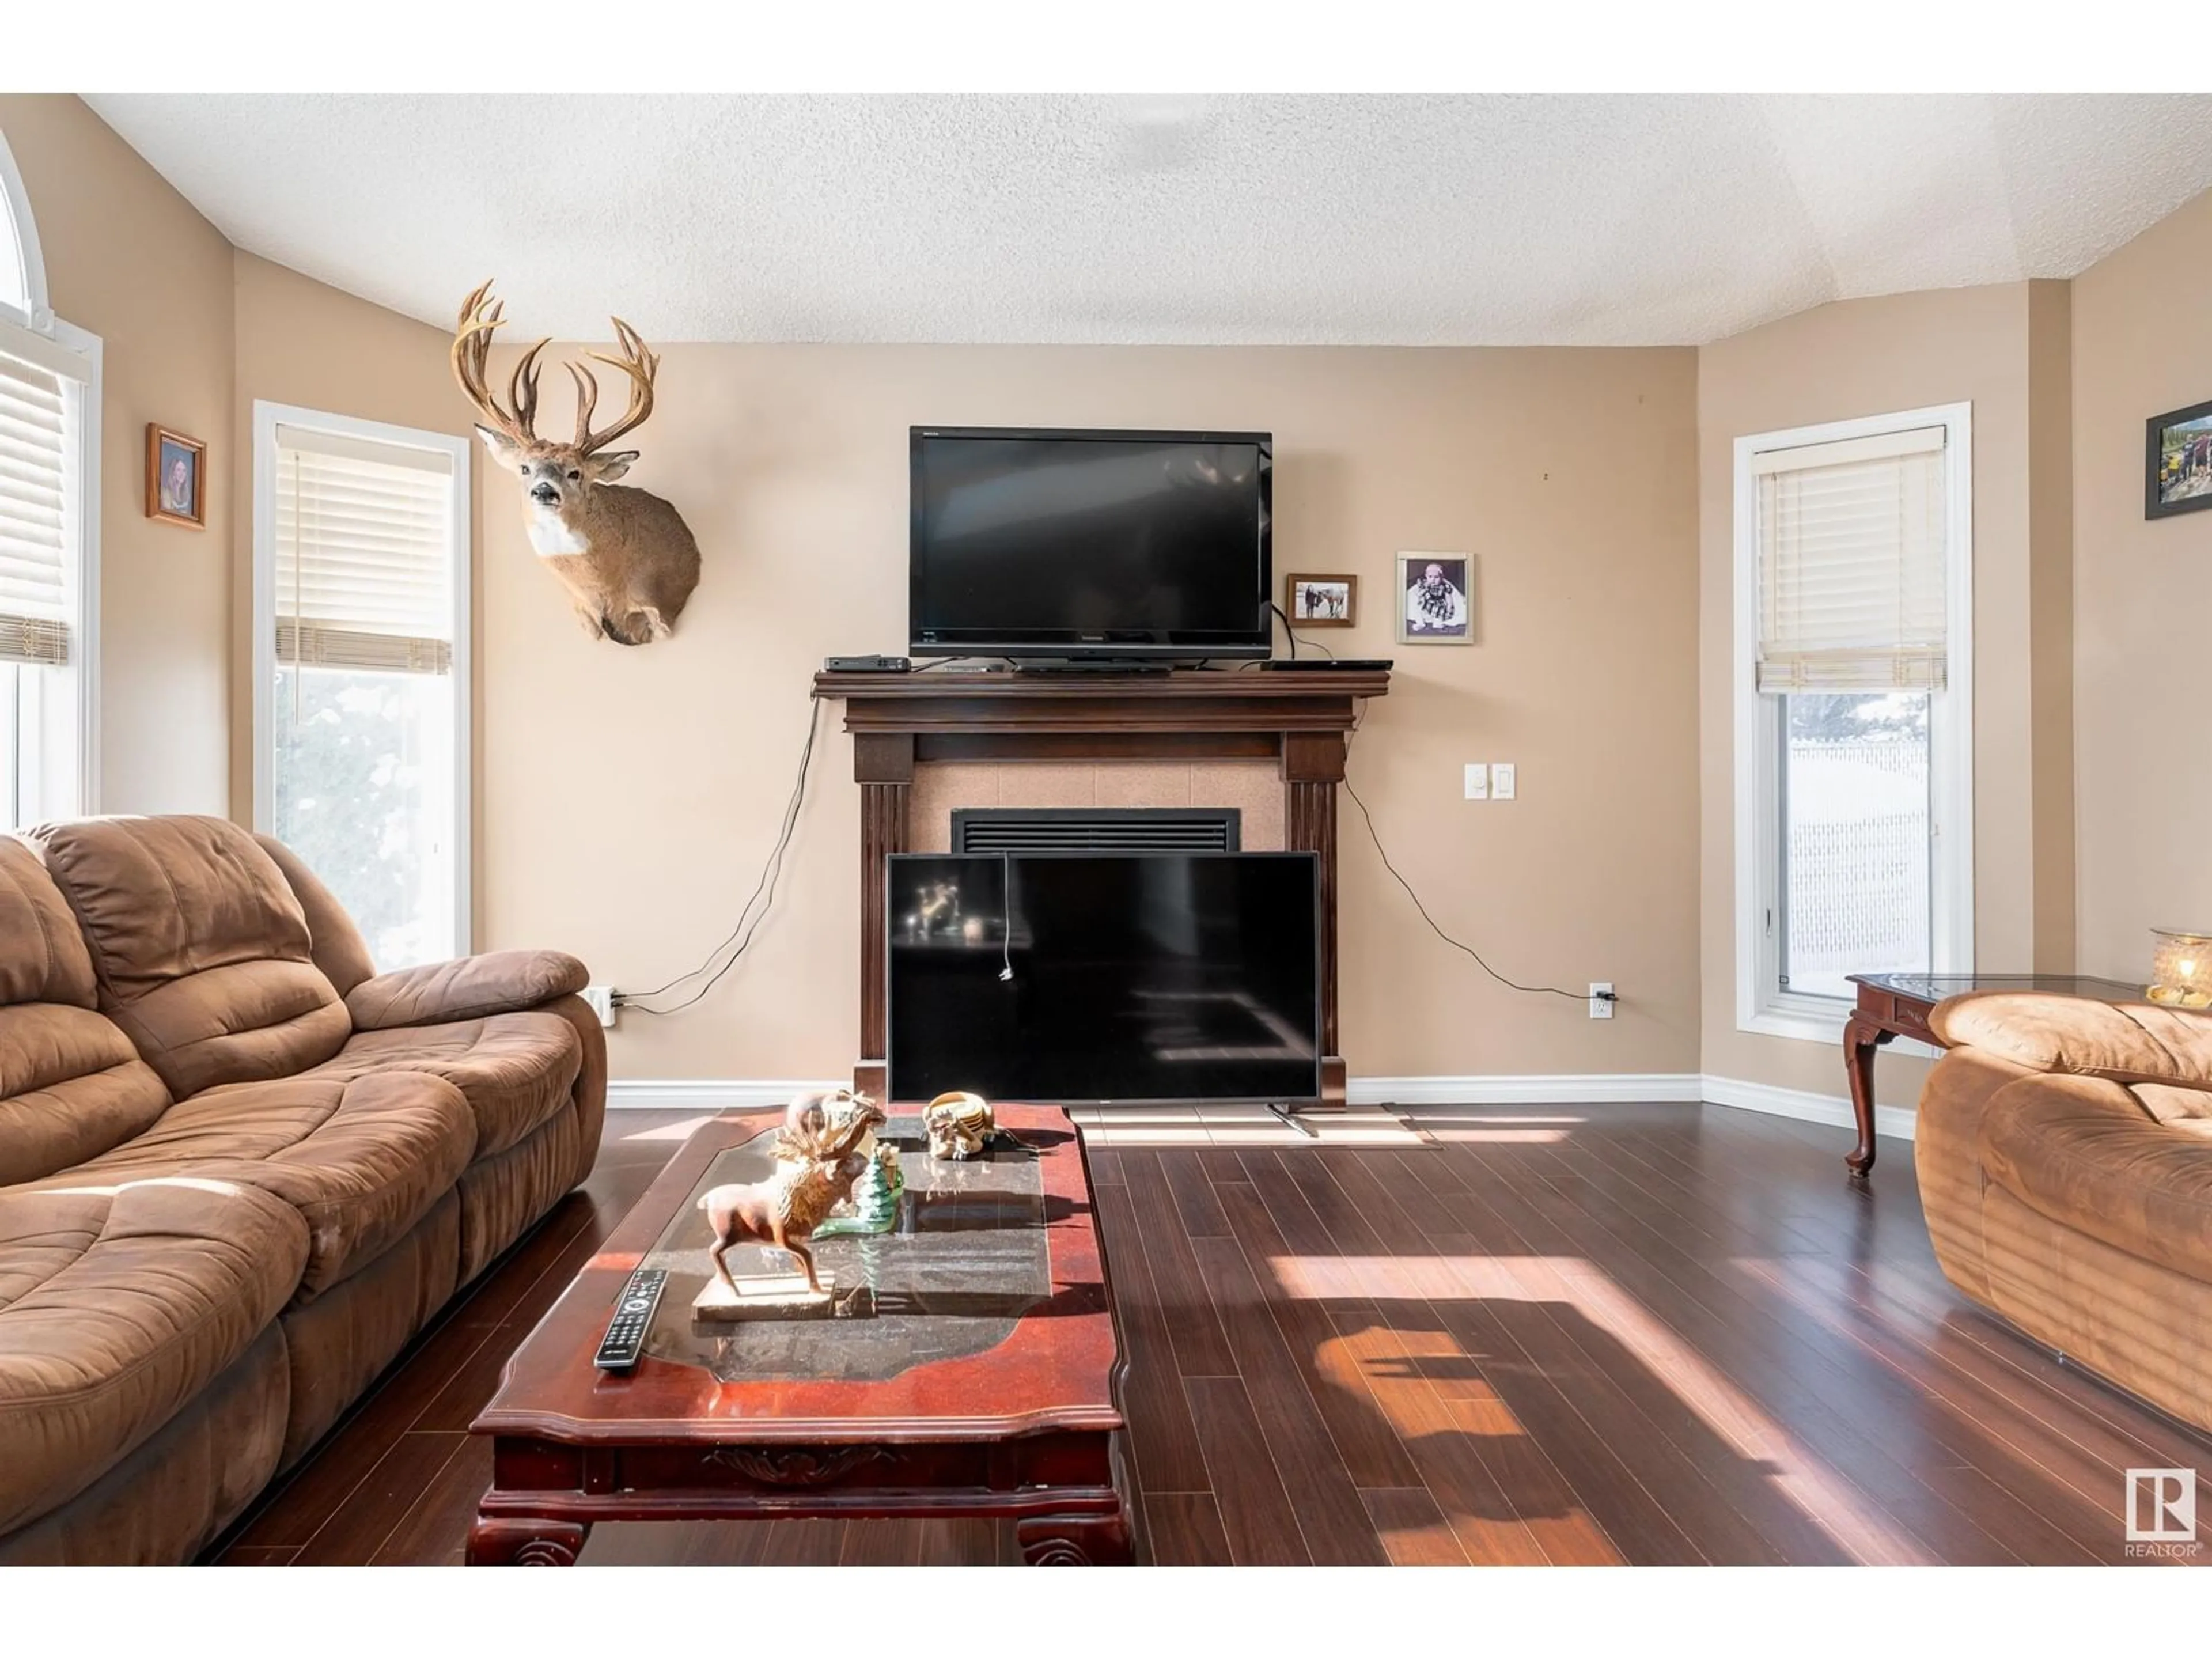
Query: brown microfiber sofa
{"points": [[2064, 1149], [238, 1169]]}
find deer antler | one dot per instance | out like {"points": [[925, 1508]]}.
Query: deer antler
{"points": [[637, 362], [480, 315]]}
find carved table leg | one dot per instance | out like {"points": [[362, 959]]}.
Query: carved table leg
{"points": [[1862, 1036], [1075, 1540], [521, 1541]]}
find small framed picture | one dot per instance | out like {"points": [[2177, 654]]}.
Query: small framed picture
{"points": [[1436, 599], [176, 477], [1320, 601], [2178, 462]]}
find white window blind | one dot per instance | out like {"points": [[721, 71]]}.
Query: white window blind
{"points": [[364, 554], [35, 546], [1851, 564]]}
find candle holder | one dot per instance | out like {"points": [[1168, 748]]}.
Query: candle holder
{"points": [[2180, 968]]}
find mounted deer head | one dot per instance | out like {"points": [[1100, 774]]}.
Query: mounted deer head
{"points": [[626, 556]]}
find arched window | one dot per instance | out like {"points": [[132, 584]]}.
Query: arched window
{"points": [[49, 533], [23, 272]]}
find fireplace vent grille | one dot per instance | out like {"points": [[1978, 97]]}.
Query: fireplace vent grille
{"points": [[1095, 830]]}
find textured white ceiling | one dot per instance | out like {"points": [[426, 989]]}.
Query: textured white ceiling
{"points": [[1490, 220]]}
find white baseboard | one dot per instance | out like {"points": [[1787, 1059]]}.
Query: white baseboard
{"points": [[707, 1094], [1592, 1089], [1496, 1088], [1548, 1089], [1805, 1105]]}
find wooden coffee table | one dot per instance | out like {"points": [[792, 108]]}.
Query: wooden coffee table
{"points": [[1897, 1005], [971, 1370]]}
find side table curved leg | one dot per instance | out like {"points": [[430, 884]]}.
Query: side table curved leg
{"points": [[1862, 1036]]}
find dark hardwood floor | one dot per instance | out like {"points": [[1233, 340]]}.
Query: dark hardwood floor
{"points": [[1656, 1334]]}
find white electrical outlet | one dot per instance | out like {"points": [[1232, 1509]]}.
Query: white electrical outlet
{"points": [[602, 1001], [1502, 780], [1478, 782], [1601, 998]]}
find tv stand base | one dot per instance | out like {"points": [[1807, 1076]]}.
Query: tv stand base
{"points": [[1105, 667], [1289, 1115]]}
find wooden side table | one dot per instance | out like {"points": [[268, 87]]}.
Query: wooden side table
{"points": [[1897, 1005]]}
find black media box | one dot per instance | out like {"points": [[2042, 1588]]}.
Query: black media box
{"points": [[865, 665]]}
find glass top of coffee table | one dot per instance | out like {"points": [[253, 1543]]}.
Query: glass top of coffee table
{"points": [[966, 1258], [987, 1312]]}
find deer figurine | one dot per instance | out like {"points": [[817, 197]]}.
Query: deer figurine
{"points": [[626, 556]]}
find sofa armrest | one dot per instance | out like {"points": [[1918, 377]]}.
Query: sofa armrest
{"points": [[468, 987], [2081, 1151], [2125, 1042]]}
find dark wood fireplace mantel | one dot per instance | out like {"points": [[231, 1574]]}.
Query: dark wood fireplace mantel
{"points": [[899, 720]]}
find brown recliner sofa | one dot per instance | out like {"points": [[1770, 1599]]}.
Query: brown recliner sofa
{"points": [[239, 1168], [2064, 1151]]}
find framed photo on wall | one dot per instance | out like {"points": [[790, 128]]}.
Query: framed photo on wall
{"points": [[1436, 599], [1320, 601], [176, 477], [2178, 462]]}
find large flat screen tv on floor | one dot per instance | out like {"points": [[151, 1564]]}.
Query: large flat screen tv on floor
{"points": [[1076, 978], [1086, 544]]}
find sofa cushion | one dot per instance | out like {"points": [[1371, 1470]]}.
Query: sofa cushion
{"points": [[118, 1305], [361, 1159], [514, 1070], [2084, 1153], [333, 941], [502, 1197], [2189, 1110], [71, 1087], [173, 1495], [2128, 1042], [201, 948], [42, 955], [337, 1344]]}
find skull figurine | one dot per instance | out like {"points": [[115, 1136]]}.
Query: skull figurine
{"points": [[960, 1125]]}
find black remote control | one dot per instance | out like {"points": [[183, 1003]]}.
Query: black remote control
{"points": [[625, 1338]]}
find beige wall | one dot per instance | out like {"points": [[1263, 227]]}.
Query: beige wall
{"points": [[625, 799], [128, 259], [2142, 345], [2051, 621], [1869, 357], [301, 343], [630, 796]]}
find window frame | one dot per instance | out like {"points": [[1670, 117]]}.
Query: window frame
{"points": [[33, 332], [22, 245], [1763, 1007], [267, 418]]}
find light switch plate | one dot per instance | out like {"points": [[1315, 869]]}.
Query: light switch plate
{"points": [[1503, 780], [1478, 782]]}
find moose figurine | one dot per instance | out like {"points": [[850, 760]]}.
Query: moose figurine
{"points": [[820, 1152], [626, 556]]}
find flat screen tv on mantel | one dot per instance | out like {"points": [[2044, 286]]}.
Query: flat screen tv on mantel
{"points": [[1155, 977], [1084, 545]]}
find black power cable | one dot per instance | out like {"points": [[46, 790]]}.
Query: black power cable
{"points": [[1367, 818], [1291, 634], [771, 873], [742, 934]]}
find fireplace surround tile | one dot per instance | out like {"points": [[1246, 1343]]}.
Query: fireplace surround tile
{"points": [[1145, 783], [1254, 788], [1046, 783]]}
